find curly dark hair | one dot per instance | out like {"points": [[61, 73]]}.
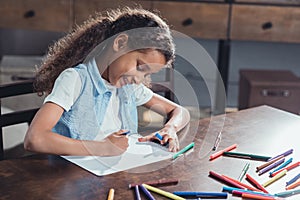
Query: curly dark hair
{"points": [[73, 48]]}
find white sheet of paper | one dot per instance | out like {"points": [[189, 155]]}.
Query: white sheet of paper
{"points": [[137, 154]]}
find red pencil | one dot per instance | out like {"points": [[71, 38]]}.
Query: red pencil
{"points": [[243, 184], [219, 153], [225, 180], [256, 196], [161, 182], [255, 183], [287, 168]]}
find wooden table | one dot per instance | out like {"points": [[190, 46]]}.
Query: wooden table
{"points": [[262, 130]]}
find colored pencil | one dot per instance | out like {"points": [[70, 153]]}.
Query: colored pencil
{"points": [[246, 156], [286, 153], [217, 195], [182, 151], [137, 193], [242, 184], [256, 196], [146, 192], [232, 189], [255, 183], [275, 178], [286, 163], [160, 182], [268, 163], [162, 192], [219, 153], [293, 180], [225, 180], [244, 171], [293, 185], [288, 193], [273, 165], [287, 168], [111, 194]]}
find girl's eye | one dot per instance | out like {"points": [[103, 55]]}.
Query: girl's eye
{"points": [[140, 67]]}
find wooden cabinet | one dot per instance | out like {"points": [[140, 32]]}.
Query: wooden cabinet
{"points": [[255, 20], [286, 2], [265, 23], [202, 20], [54, 15]]}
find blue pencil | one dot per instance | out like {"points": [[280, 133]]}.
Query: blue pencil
{"points": [[146, 192], [201, 194], [288, 193], [158, 136], [293, 180], [230, 189], [282, 165]]}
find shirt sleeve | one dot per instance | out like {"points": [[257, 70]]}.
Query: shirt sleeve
{"points": [[142, 94], [66, 89]]}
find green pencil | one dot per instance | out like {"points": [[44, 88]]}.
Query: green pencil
{"points": [[246, 156], [244, 171], [185, 149]]}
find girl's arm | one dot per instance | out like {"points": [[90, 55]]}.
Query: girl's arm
{"points": [[179, 118], [40, 138]]}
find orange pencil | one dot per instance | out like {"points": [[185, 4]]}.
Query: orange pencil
{"points": [[111, 194], [219, 153], [256, 196], [293, 185]]}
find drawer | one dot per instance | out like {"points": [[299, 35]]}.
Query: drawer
{"points": [[54, 15], [265, 23], [203, 20], [285, 2], [84, 8]]}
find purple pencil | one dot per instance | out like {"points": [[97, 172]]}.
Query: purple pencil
{"points": [[283, 154], [273, 165], [137, 193], [146, 192]]}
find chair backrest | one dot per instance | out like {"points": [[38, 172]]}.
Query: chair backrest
{"points": [[16, 117]]}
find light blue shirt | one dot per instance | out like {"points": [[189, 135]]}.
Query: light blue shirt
{"points": [[85, 117]]}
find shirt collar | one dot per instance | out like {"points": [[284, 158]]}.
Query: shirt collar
{"points": [[95, 75]]}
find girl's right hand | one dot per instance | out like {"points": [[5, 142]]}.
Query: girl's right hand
{"points": [[119, 142]]}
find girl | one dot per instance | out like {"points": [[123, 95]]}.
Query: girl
{"points": [[95, 77]]}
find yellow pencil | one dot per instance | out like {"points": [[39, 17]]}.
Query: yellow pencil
{"points": [[275, 178], [111, 194], [162, 192]]}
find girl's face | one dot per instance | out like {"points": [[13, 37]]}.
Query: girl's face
{"points": [[134, 67]]}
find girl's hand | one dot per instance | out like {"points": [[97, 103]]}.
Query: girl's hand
{"points": [[119, 142], [169, 137]]}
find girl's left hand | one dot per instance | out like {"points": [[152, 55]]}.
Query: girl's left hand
{"points": [[169, 137]]}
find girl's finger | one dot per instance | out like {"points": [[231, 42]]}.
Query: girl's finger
{"points": [[144, 139]]}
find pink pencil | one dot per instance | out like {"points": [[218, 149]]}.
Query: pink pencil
{"points": [[225, 180], [219, 153]]}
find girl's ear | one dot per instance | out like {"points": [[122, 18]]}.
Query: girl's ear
{"points": [[120, 42]]}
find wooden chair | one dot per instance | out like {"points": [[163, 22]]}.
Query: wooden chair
{"points": [[16, 117]]}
